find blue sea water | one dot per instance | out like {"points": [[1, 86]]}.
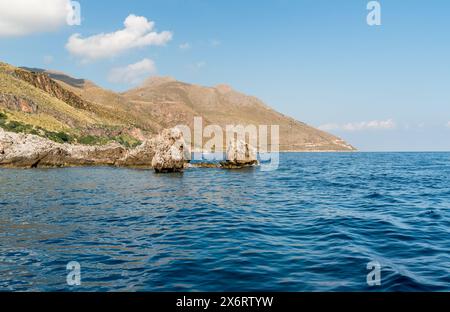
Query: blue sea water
{"points": [[312, 225]]}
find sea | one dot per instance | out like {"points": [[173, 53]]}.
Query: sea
{"points": [[320, 222]]}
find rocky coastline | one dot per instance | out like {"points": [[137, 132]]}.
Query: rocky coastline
{"points": [[164, 153]]}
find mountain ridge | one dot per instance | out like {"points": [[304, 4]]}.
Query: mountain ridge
{"points": [[144, 111]]}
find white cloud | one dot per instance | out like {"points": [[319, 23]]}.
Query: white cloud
{"points": [[138, 32], [185, 46], [448, 124], [23, 17], [360, 126], [133, 74]]}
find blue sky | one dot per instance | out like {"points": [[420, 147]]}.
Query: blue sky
{"points": [[381, 88]]}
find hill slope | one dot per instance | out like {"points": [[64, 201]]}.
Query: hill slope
{"points": [[54, 104], [171, 102]]}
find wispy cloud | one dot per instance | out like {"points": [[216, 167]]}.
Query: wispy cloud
{"points": [[185, 46], [24, 17], [138, 32], [361, 126], [133, 74]]}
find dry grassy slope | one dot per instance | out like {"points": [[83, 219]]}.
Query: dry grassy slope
{"points": [[52, 113], [35, 103], [176, 102], [114, 103], [102, 102], [73, 104]]}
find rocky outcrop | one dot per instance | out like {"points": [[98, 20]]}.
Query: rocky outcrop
{"points": [[18, 104], [31, 151], [28, 151], [140, 156], [107, 155], [171, 151], [168, 152], [45, 83], [239, 154]]}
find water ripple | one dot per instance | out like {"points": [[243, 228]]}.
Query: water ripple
{"points": [[312, 225]]}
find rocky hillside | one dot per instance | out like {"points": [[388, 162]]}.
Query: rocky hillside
{"points": [[33, 103], [69, 110], [170, 102]]}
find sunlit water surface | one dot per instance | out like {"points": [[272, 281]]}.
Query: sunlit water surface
{"points": [[312, 225]]}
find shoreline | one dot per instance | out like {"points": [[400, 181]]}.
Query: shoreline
{"points": [[20, 150]]}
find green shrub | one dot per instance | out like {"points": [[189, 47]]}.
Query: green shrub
{"points": [[18, 127], [92, 140], [59, 137], [35, 132], [15, 126], [3, 119], [63, 137], [127, 141]]}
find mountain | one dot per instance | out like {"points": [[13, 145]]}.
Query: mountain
{"points": [[63, 108]]}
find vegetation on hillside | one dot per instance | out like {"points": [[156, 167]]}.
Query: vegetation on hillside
{"points": [[53, 106], [19, 127], [54, 113], [65, 137], [56, 119]]}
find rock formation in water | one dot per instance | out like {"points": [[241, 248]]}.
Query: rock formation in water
{"points": [[140, 156], [170, 151], [240, 154]]}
